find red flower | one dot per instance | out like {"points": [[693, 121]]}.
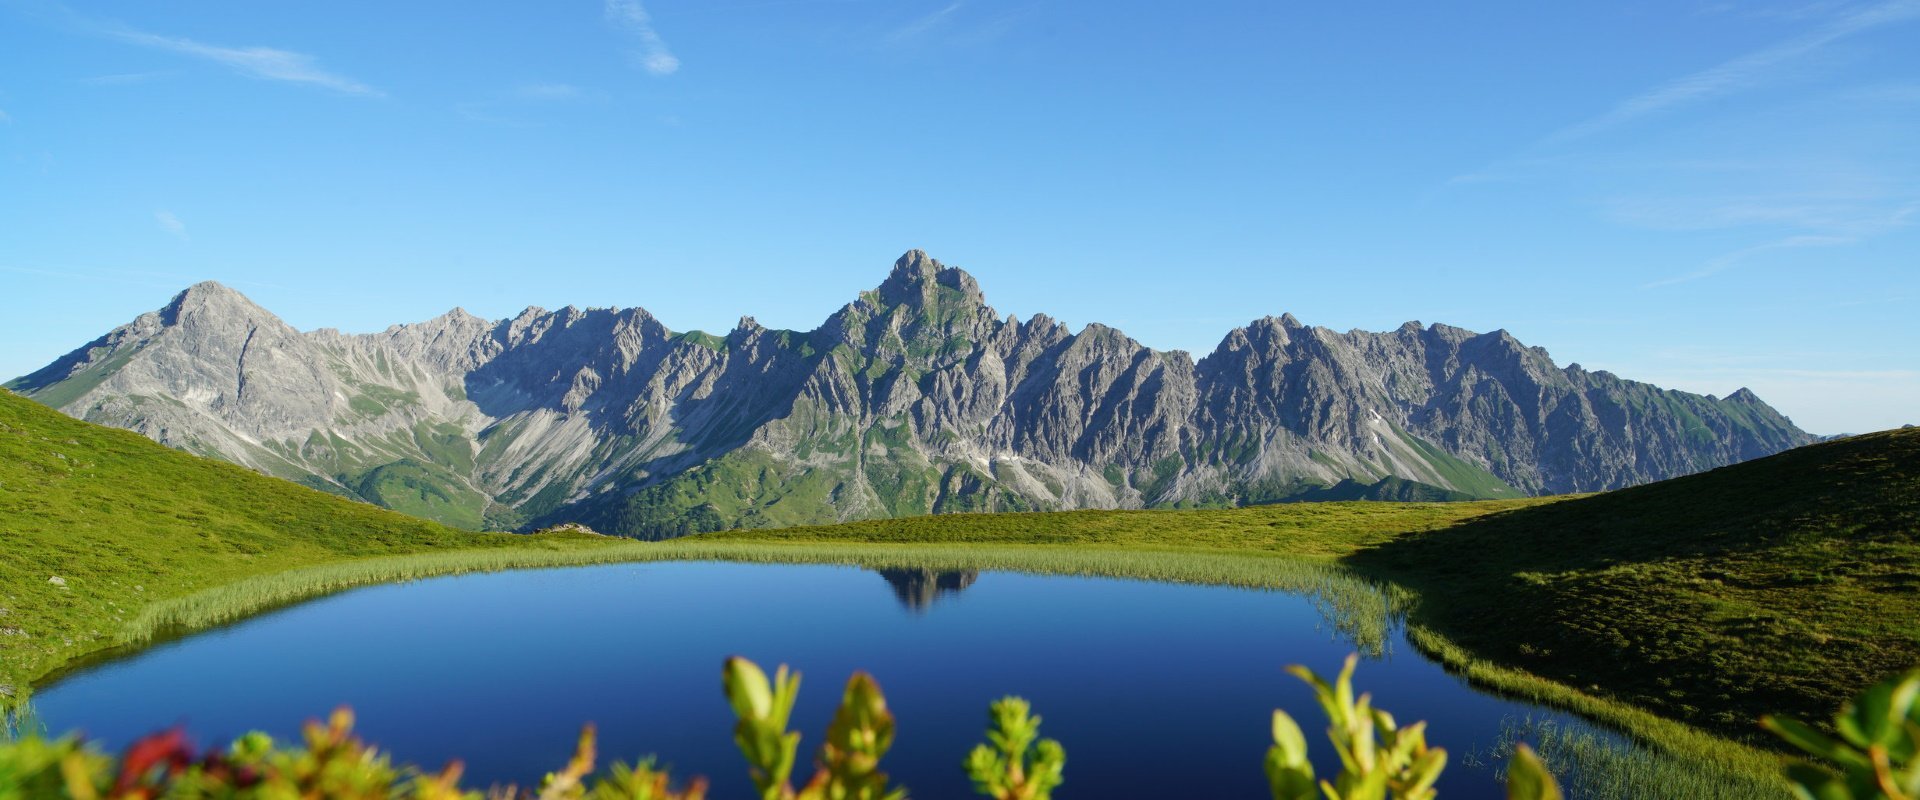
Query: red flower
{"points": [[167, 749]]}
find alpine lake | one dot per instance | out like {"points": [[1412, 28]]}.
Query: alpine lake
{"points": [[1154, 689]]}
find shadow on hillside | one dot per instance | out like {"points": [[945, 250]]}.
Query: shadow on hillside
{"points": [[1779, 585]]}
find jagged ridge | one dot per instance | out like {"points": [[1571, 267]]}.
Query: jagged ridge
{"points": [[916, 398]]}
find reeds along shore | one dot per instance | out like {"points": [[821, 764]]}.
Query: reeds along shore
{"points": [[1660, 757]]}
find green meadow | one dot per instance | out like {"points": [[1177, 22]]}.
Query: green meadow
{"points": [[1677, 612]]}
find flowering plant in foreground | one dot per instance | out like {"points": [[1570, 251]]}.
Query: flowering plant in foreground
{"points": [[1380, 760]]}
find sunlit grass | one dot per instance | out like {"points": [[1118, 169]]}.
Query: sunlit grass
{"points": [[137, 533], [1595, 764], [1359, 609], [1356, 606], [1662, 611]]}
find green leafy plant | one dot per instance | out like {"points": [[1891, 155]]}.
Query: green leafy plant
{"points": [[642, 782], [638, 782], [848, 765], [1379, 759], [1014, 766], [1877, 754], [329, 763], [1528, 778], [36, 767]]}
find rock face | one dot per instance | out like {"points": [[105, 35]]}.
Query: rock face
{"points": [[917, 398]]}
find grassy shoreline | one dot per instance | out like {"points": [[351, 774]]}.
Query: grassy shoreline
{"points": [[1349, 596], [1358, 607], [1676, 611]]}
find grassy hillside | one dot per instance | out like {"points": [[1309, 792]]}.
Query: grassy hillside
{"points": [[1310, 530], [131, 528], [1779, 585], [125, 523]]}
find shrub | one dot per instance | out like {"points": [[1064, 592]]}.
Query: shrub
{"points": [[1014, 766], [1379, 759], [1877, 754]]}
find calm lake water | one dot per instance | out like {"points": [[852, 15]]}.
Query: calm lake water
{"points": [[1154, 689]]}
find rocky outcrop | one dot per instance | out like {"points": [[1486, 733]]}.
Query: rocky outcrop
{"points": [[916, 398]]}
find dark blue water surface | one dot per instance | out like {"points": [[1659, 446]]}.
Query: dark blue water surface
{"points": [[1154, 689]]}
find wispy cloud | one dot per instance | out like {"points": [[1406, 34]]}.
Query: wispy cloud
{"points": [[513, 106], [925, 22], [1740, 73], [1840, 232], [1767, 9], [1798, 169], [124, 78], [171, 224], [548, 91], [4, 117], [955, 24], [652, 53], [1730, 260], [267, 63], [1846, 214]]}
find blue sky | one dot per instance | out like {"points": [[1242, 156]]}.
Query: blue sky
{"points": [[1705, 195]]}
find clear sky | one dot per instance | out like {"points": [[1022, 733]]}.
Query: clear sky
{"points": [[1705, 194]]}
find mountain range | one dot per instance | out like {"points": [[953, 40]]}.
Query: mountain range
{"points": [[916, 398]]}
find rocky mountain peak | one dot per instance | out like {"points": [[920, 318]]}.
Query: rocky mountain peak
{"points": [[915, 398], [211, 299], [457, 316], [205, 290], [916, 262], [1449, 334], [918, 279], [1264, 333], [454, 320]]}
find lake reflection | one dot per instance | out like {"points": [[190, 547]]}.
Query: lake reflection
{"points": [[1155, 689], [918, 587]]}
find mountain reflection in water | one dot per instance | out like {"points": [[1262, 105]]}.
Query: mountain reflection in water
{"points": [[918, 587], [1131, 675]]}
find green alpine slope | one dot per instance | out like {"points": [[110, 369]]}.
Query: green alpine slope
{"points": [[1778, 585], [98, 523]]}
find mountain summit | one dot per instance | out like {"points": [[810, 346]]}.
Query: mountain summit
{"points": [[916, 398]]}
